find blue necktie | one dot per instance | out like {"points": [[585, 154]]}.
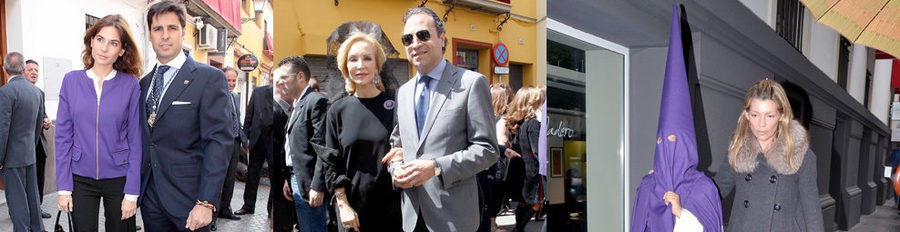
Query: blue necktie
{"points": [[236, 126], [422, 106], [157, 88]]}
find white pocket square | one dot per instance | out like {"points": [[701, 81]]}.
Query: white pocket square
{"points": [[178, 103]]}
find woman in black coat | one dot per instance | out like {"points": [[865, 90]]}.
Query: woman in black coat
{"points": [[771, 167], [522, 124]]}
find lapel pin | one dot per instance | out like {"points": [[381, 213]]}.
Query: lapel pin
{"points": [[186, 82]]}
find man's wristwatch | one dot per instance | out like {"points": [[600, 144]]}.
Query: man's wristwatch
{"points": [[437, 168]]}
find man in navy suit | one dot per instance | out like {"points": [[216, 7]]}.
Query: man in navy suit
{"points": [[20, 103], [187, 130]]}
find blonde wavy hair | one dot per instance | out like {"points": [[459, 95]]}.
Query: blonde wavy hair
{"points": [[501, 95], [344, 51], [527, 101], [763, 90]]}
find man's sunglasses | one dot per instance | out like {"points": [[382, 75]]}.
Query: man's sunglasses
{"points": [[423, 36]]}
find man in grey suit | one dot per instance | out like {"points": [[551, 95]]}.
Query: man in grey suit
{"points": [[446, 131], [20, 121]]}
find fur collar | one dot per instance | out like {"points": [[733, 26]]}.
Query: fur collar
{"points": [[746, 159]]}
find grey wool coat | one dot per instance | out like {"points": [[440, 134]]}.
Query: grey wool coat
{"points": [[773, 194]]}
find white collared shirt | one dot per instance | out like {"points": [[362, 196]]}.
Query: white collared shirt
{"points": [[174, 66], [97, 88], [435, 75], [287, 140]]}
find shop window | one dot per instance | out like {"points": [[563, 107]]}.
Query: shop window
{"points": [[90, 20], [565, 56], [789, 22], [467, 59]]}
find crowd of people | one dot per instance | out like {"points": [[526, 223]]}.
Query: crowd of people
{"points": [[419, 157], [443, 152], [422, 157]]}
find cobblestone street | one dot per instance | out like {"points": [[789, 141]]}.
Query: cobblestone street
{"points": [[250, 222]]}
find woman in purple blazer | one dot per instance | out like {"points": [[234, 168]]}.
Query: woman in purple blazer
{"points": [[98, 135]]}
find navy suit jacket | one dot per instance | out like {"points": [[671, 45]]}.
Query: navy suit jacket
{"points": [[240, 133], [187, 151], [19, 112], [258, 122]]}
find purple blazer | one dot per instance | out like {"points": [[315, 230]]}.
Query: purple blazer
{"points": [[99, 140]]}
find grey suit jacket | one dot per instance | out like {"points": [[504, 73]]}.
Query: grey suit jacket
{"points": [[19, 121], [459, 136]]}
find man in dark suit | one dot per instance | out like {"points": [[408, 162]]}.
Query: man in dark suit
{"points": [[306, 119], [283, 213], [240, 141], [188, 132], [240, 144], [31, 74], [258, 127], [20, 121]]}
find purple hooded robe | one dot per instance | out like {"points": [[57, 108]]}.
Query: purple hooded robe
{"points": [[675, 158]]}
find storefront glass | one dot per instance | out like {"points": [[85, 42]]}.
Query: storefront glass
{"points": [[586, 133]]}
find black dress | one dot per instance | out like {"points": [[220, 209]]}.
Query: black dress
{"points": [[357, 137]]}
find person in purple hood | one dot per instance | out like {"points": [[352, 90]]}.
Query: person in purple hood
{"points": [[675, 196], [98, 135]]}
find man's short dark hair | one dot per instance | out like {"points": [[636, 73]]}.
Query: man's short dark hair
{"points": [[13, 64], [298, 64], [438, 23], [30, 61], [229, 69], [166, 6]]}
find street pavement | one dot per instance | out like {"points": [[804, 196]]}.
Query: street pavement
{"points": [[250, 222]]}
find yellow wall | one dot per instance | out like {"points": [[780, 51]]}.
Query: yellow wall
{"points": [[190, 38], [251, 40], [303, 26]]}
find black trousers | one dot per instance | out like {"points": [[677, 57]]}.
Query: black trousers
{"points": [[41, 162], [86, 197], [254, 170], [22, 198], [283, 214]]}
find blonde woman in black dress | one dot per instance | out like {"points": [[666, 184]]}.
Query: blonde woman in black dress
{"points": [[358, 128]]}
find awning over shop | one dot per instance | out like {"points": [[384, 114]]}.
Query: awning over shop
{"points": [[269, 50], [220, 13], [229, 9]]}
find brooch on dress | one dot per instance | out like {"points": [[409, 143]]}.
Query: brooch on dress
{"points": [[390, 104]]}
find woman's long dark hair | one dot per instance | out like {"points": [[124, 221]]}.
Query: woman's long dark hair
{"points": [[130, 61]]}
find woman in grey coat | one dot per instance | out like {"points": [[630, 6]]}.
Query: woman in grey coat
{"points": [[771, 166]]}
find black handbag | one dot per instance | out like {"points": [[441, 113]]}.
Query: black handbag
{"points": [[58, 227]]}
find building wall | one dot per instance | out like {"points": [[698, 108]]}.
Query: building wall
{"points": [[251, 40], [303, 27]]}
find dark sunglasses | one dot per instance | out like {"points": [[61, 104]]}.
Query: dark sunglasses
{"points": [[423, 35]]}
